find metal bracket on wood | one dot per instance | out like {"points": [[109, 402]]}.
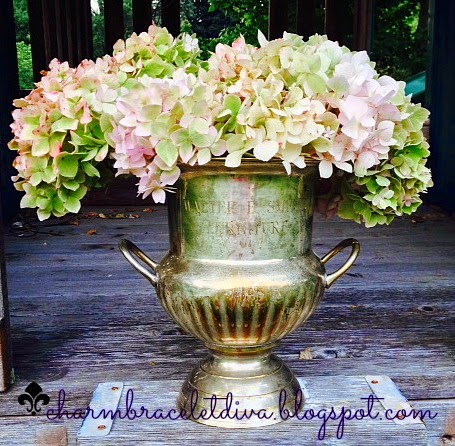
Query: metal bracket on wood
{"points": [[392, 399], [105, 397]]}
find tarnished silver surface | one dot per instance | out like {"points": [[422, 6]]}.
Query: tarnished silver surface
{"points": [[241, 275]]}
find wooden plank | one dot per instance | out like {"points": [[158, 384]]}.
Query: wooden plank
{"points": [[6, 376], [37, 38], [363, 25], [85, 46], [114, 26], [142, 15], [278, 18], [25, 428], [170, 16], [391, 317], [59, 29], [324, 392], [305, 17], [9, 89], [336, 20]]}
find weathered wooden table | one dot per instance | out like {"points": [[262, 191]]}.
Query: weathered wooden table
{"points": [[81, 316]]}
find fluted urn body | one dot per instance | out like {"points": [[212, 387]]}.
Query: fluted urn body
{"points": [[240, 275]]}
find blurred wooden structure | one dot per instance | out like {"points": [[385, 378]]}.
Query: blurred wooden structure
{"points": [[339, 21], [6, 375], [441, 96], [9, 88], [63, 29], [70, 36]]}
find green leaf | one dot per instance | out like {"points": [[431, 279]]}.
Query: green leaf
{"points": [[76, 139], [62, 194], [105, 122], [80, 193], [71, 185], [64, 124], [67, 165], [96, 131], [43, 214], [102, 153], [167, 152], [43, 202], [417, 152], [80, 177], [199, 125], [36, 178], [28, 201], [90, 155], [201, 140], [347, 212], [40, 147], [154, 67], [233, 103], [315, 83], [234, 142], [90, 170], [371, 186], [58, 205], [72, 204], [382, 181], [48, 175]]}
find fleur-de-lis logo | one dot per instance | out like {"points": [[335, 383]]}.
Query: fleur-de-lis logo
{"points": [[33, 396]]}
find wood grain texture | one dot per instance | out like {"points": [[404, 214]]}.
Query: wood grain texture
{"points": [[278, 18], [114, 26], [338, 19], [363, 24], [81, 315], [59, 29], [142, 15], [5, 334], [324, 392], [170, 16], [9, 89]]}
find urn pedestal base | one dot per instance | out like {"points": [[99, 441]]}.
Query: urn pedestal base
{"points": [[241, 389]]}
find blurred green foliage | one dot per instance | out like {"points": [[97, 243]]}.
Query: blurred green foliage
{"points": [[401, 37], [24, 51], [24, 57], [399, 41]]}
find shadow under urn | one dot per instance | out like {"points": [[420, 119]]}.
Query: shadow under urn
{"points": [[240, 275]]}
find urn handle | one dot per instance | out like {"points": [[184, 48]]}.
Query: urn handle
{"points": [[355, 249], [132, 253]]}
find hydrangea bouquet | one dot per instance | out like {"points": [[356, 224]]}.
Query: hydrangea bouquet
{"points": [[154, 105]]}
